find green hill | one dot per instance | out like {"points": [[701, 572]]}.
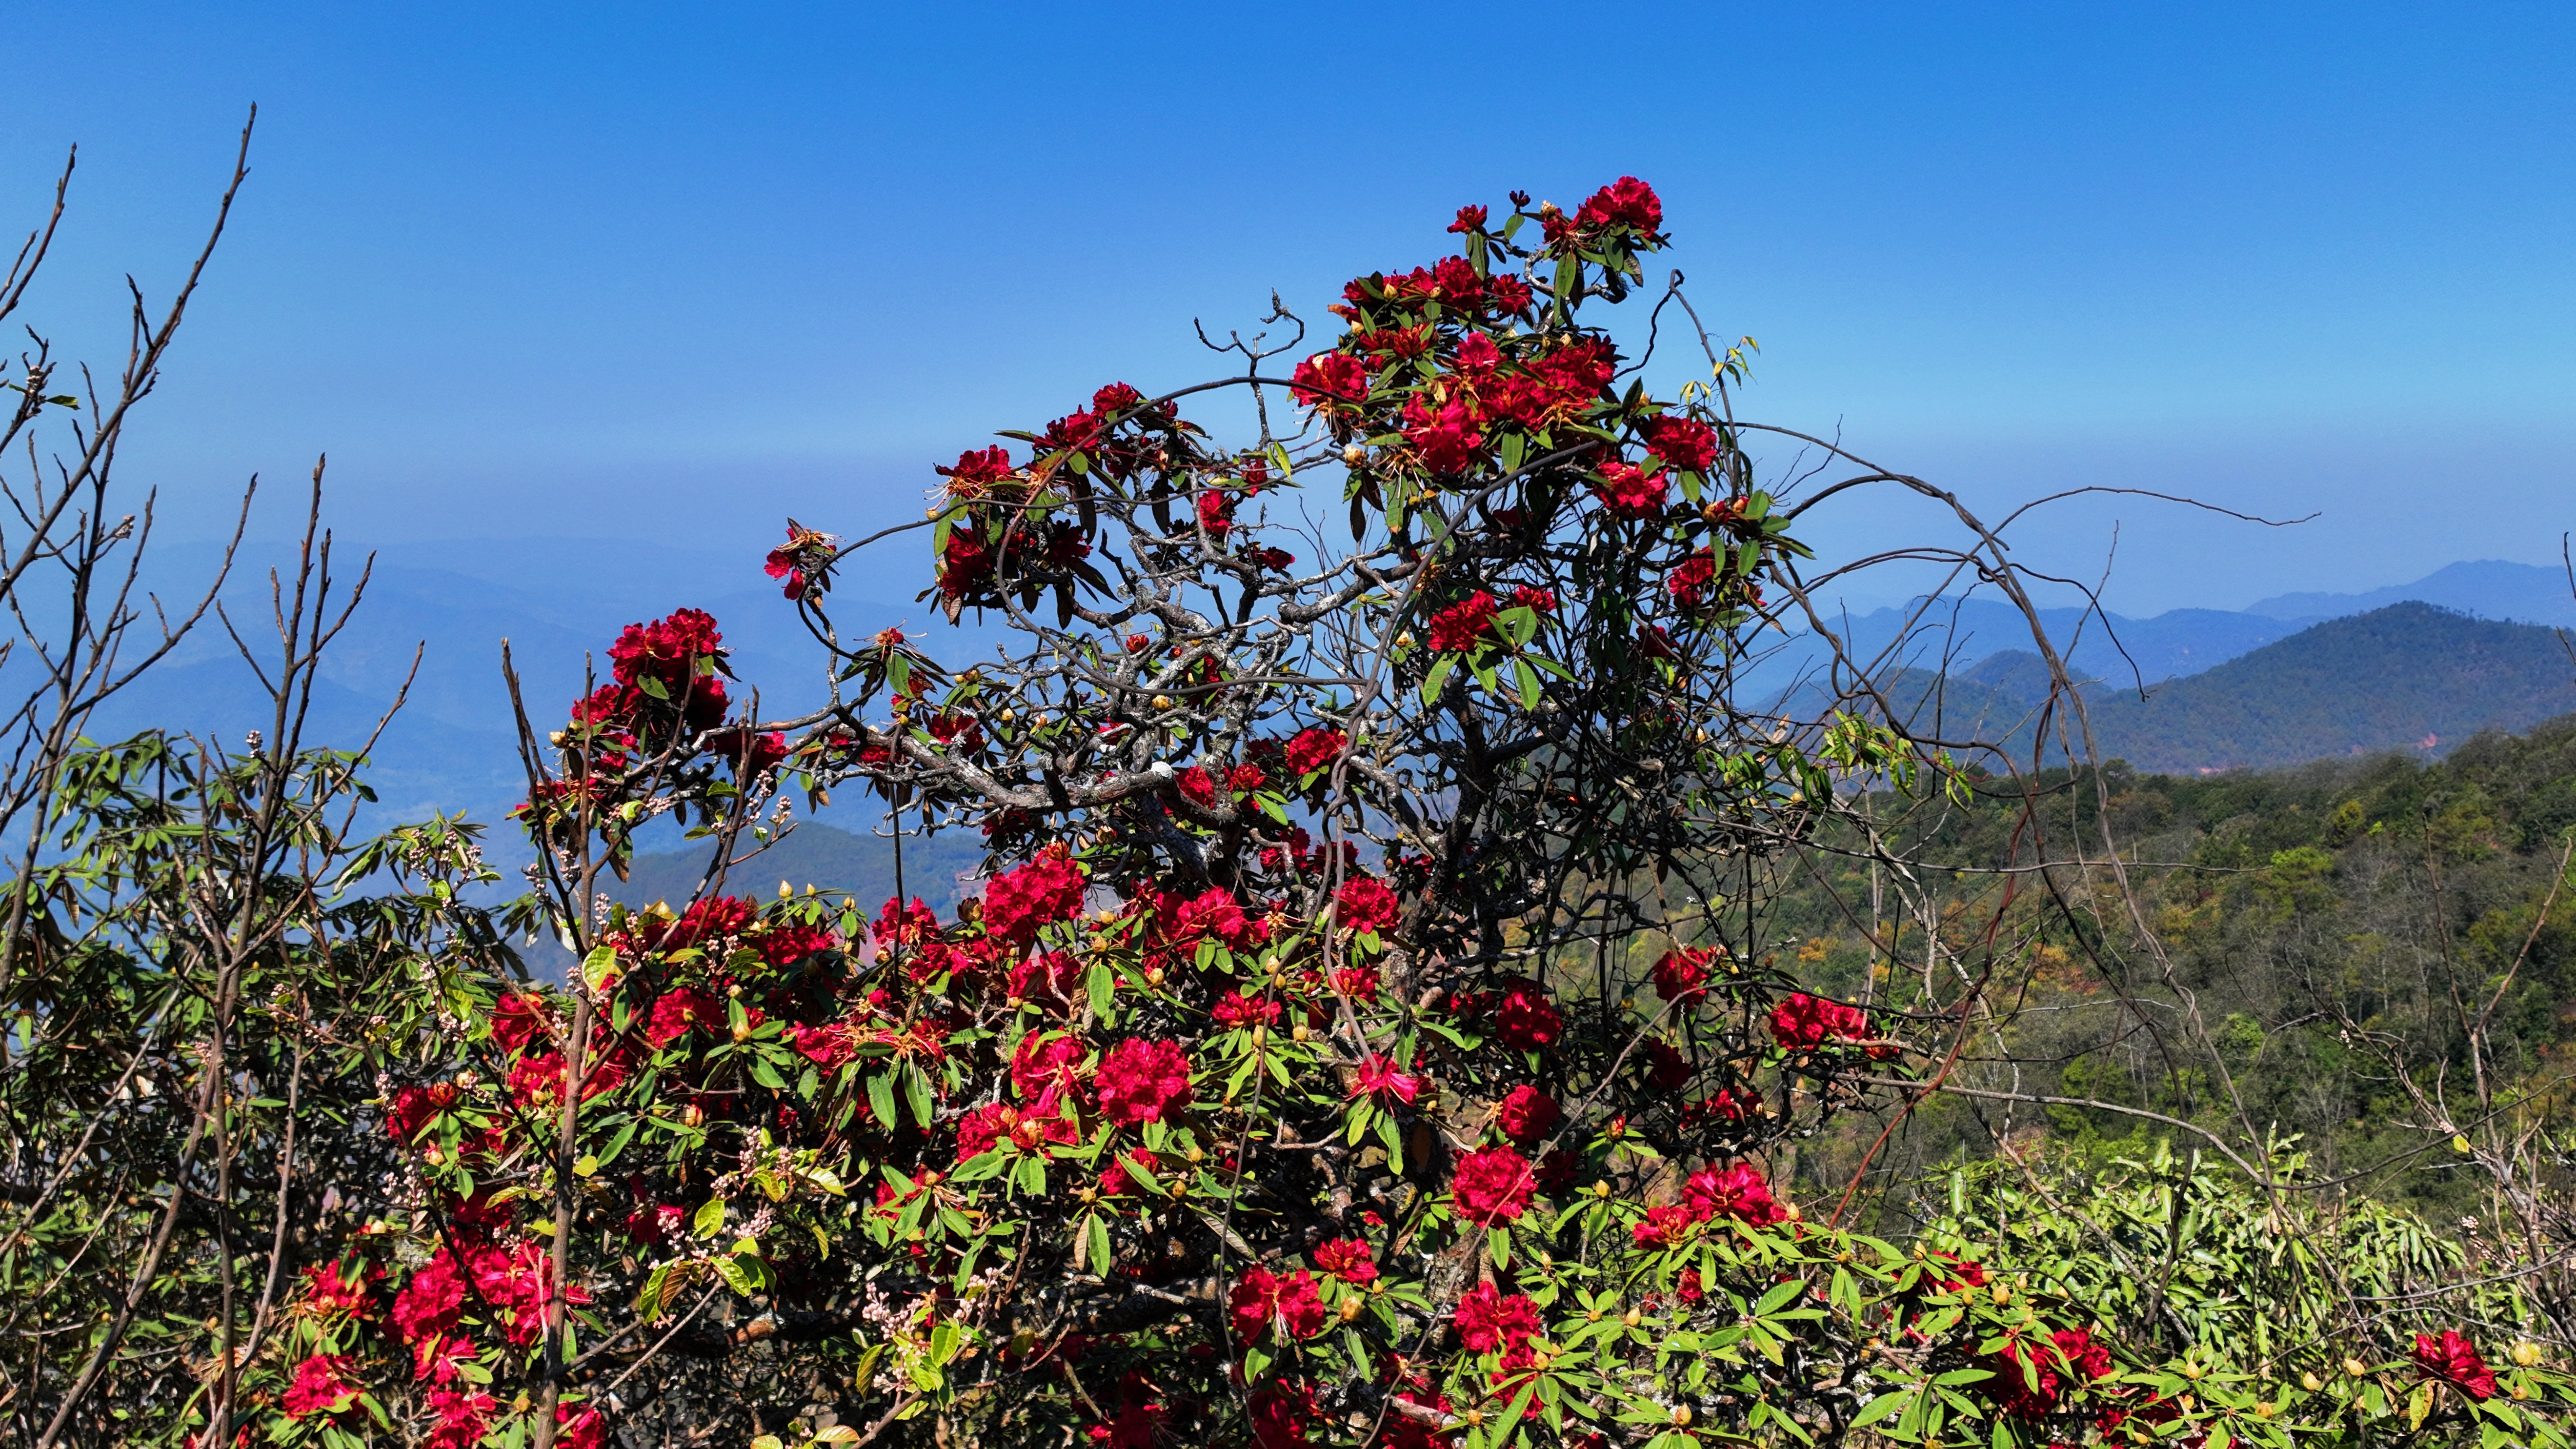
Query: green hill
{"points": [[2408, 677]]}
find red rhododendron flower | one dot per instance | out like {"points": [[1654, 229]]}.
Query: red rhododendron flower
{"points": [[1310, 750], [1244, 779], [1382, 1077], [977, 470], [1197, 786], [320, 1387], [1042, 1070], [463, 1417], [1681, 442], [1470, 219], [1492, 1186], [1462, 626], [578, 1426], [1666, 1068], [826, 1046], [1541, 600], [1805, 1021], [409, 1114], [1682, 973], [1046, 890], [1489, 1319], [1281, 1410], [1527, 1114], [1262, 1298], [1330, 378], [335, 1288], [1625, 202], [1365, 904], [1115, 1181], [1444, 435], [1692, 581], [1739, 1192], [1663, 1226], [1235, 1011], [516, 1020], [1556, 1172], [2453, 1359], [1213, 912], [1731, 1104], [427, 1305], [1525, 1019], [1627, 493], [1348, 1259], [665, 651], [1142, 1081], [896, 926], [679, 1012]]}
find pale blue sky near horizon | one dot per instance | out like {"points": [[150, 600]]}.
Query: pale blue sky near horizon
{"points": [[651, 272]]}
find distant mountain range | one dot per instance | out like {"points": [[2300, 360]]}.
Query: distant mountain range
{"points": [[557, 600], [2409, 677]]}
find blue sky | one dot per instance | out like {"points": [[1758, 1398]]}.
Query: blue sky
{"points": [[643, 271]]}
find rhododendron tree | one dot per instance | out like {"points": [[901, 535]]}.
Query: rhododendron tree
{"points": [[1295, 1074]]}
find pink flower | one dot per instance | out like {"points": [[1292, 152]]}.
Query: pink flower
{"points": [[1380, 1077], [1142, 1081]]}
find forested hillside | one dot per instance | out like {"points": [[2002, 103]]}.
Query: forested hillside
{"points": [[2334, 931]]}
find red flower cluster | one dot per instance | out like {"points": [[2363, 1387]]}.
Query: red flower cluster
{"points": [[1682, 974], [1366, 905], [1626, 492], [1492, 1186], [1383, 1077], [1462, 626], [1491, 1321], [2454, 1360], [1526, 1019], [1348, 1259], [320, 1386], [1739, 1192], [1262, 1298], [1805, 1022], [1443, 435], [1693, 581], [1330, 379], [1681, 442], [2032, 1375], [1142, 1081], [1311, 750], [1527, 1114], [1047, 889]]}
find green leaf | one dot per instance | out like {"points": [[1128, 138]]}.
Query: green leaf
{"points": [[881, 1098], [598, 966], [1529, 683], [916, 1091], [1438, 676], [1103, 987], [710, 1217]]}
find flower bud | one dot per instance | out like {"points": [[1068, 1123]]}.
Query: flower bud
{"points": [[1350, 1309], [2355, 1367], [2309, 1381], [1632, 1317], [2526, 1354], [693, 1115], [1354, 455], [1162, 701]]}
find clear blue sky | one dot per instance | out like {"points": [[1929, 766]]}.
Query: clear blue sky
{"points": [[676, 272]]}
